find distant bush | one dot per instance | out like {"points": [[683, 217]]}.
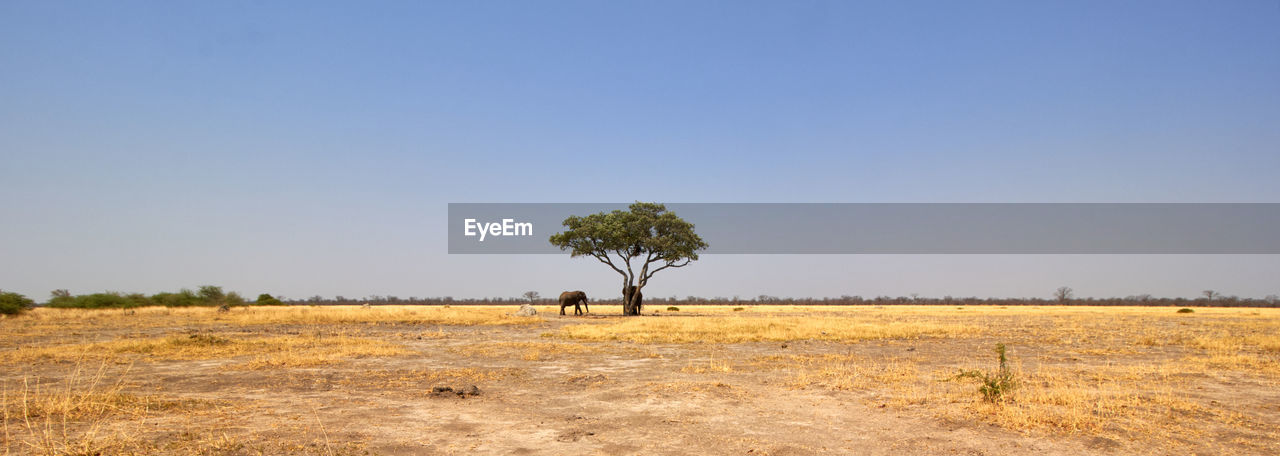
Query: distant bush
{"points": [[207, 296], [673, 309], [14, 303], [739, 309], [1185, 310], [183, 298], [268, 300], [211, 294], [109, 300]]}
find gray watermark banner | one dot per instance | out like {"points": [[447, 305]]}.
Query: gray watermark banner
{"points": [[903, 228]]}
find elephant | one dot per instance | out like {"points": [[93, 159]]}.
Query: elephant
{"points": [[573, 298]]}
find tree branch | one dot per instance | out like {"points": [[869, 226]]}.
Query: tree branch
{"points": [[668, 265], [631, 275], [644, 271], [605, 259]]}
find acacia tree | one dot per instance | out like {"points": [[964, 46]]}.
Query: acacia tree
{"points": [[636, 243]]}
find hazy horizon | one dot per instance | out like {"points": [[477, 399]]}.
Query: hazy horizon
{"points": [[274, 148]]}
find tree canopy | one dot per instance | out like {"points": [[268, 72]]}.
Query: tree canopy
{"points": [[636, 243]]}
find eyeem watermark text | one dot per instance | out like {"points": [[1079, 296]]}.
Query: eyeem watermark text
{"points": [[507, 227], [915, 228]]}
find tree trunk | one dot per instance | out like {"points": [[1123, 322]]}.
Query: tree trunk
{"points": [[632, 300]]}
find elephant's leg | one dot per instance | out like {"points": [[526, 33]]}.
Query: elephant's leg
{"points": [[562, 308]]}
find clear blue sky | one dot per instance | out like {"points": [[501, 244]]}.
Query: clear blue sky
{"points": [[310, 148]]}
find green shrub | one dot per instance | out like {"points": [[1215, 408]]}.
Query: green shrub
{"points": [[211, 295], [268, 300], [13, 303], [207, 296], [738, 309], [994, 384], [1185, 310], [108, 300], [59, 298], [138, 300], [673, 309], [183, 298]]}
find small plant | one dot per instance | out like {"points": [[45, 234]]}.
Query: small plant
{"points": [[738, 309], [673, 309], [1185, 310], [994, 385]]}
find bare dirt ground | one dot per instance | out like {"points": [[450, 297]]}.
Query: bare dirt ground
{"points": [[1090, 382]]}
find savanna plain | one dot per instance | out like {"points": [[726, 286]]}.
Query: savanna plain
{"points": [[767, 380]]}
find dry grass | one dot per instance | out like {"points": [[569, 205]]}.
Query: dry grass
{"points": [[1142, 402], [274, 351], [897, 377], [418, 382], [709, 366], [732, 329], [697, 388], [1230, 343], [1129, 404], [63, 321], [295, 351], [1150, 376], [71, 416], [528, 351]]}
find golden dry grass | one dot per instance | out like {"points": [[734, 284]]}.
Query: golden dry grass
{"points": [[1131, 403], [271, 351], [1143, 402], [45, 320], [709, 366], [732, 329], [1139, 374], [696, 388], [1146, 375], [419, 381], [70, 416], [528, 351]]}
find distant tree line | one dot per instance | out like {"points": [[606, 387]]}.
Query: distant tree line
{"points": [[213, 296], [1060, 297], [207, 296]]}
